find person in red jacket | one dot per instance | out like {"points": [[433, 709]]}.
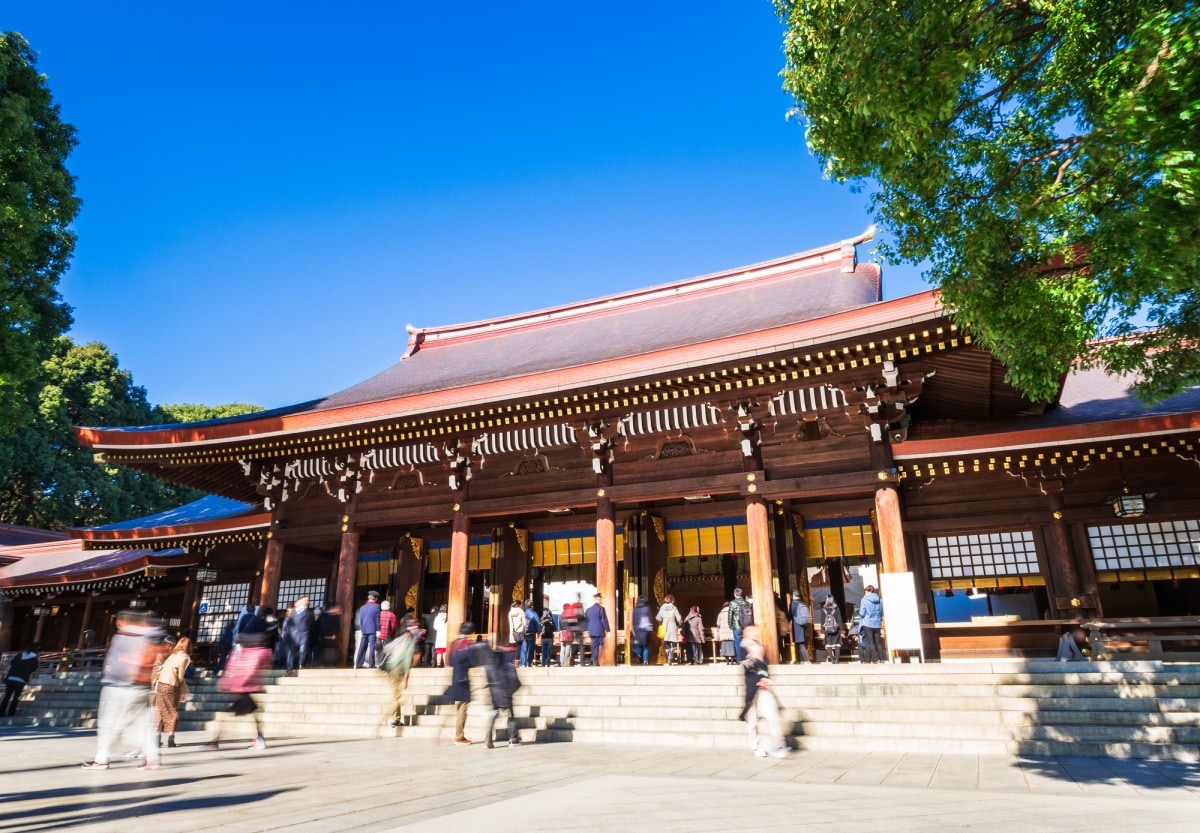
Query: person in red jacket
{"points": [[387, 627]]}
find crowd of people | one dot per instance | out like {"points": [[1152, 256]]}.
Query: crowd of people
{"points": [[145, 676]]}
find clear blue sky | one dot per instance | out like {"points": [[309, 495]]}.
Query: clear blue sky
{"points": [[272, 190]]}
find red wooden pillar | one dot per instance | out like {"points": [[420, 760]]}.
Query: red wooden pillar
{"points": [[347, 572], [272, 568], [88, 606], [761, 585], [189, 608], [891, 530], [460, 542], [606, 572], [1067, 599]]}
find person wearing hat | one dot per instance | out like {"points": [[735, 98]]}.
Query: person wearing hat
{"points": [[597, 627], [367, 621]]}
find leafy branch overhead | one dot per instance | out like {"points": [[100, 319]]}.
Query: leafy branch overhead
{"points": [[1040, 156]]}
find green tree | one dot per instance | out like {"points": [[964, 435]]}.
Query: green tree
{"points": [[37, 206], [52, 481], [1041, 156], [203, 413]]}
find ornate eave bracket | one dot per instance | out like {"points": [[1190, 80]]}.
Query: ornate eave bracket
{"points": [[599, 439], [881, 404], [461, 458]]}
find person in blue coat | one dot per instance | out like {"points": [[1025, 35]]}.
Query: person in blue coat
{"points": [[597, 626], [367, 621], [870, 623]]}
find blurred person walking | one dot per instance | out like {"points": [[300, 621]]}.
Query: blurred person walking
{"points": [[760, 699], [21, 669], [125, 687], [643, 626], [503, 683], [245, 676]]}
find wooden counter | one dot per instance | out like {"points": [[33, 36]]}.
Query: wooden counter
{"points": [[1025, 638]]}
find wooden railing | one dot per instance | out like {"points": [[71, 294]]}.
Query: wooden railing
{"points": [[1164, 638]]}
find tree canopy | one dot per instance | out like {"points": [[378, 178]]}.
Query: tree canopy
{"points": [[1040, 156], [51, 481], [37, 206]]}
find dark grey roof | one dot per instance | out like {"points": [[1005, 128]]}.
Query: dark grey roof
{"points": [[559, 345]]}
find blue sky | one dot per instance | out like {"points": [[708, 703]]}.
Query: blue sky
{"points": [[273, 190]]}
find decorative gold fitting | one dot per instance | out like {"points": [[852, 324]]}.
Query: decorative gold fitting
{"points": [[345, 519], [457, 507], [599, 493], [752, 488], [1076, 602], [751, 477], [1058, 516], [883, 475]]}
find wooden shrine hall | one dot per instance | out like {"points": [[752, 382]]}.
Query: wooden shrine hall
{"points": [[776, 427]]}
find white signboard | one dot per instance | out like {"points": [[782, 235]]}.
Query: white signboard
{"points": [[900, 619]]}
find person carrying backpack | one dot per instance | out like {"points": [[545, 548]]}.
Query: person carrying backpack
{"points": [[831, 629], [398, 661], [801, 616]]}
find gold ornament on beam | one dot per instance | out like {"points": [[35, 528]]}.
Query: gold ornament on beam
{"points": [[518, 592], [522, 536], [660, 528], [410, 598], [798, 522], [418, 545], [660, 587]]}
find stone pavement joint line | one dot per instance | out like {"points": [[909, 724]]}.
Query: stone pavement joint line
{"points": [[396, 784]]}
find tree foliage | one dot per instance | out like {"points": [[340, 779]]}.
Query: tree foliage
{"points": [[203, 413], [1041, 156], [37, 206], [51, 481]]}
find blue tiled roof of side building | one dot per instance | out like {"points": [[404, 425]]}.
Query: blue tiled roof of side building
{"points": [[209, 508]]}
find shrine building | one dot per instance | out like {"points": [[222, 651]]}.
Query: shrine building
{"points": [[777, 428]]}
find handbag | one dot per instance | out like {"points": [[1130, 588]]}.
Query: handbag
{"points": [[662, 629]]}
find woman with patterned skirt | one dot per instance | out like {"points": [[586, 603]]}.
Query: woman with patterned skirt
{"points": [[170, 686]]}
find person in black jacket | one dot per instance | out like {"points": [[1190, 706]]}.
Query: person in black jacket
{"points": [[20, 671], [463, 655], [503, 683]]}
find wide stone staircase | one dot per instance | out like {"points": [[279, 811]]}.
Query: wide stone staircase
{"points": [[1126, 709]]}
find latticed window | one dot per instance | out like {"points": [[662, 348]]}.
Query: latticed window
{"points": [[1140, 546], [292, 589], [220, 603], [982, 555]]}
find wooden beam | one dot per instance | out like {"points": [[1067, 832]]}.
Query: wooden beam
{"points": [[820, 486]]}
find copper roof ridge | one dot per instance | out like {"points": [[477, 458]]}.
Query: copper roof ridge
{"points": [[811, 259]]}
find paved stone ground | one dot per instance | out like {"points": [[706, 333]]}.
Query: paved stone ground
{"points": [[323, 784]]}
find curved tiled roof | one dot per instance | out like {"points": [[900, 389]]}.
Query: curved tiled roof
{"points": [[718, 307], [606, 330]]}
